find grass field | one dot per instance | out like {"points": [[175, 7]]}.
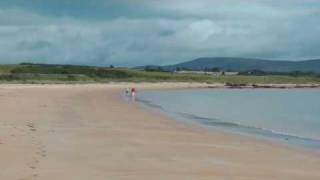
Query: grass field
{"points": [[34, 73]]}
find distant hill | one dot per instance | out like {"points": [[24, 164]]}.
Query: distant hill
{"points": [[247, 64]]}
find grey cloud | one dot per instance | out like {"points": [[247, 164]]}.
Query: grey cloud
{"points": [[156, 32], [38, 45]]}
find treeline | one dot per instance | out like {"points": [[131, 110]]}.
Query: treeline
{"points": [[155, 69], [161, 69]]}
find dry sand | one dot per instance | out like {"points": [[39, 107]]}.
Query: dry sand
{"points": [[88, 132]]}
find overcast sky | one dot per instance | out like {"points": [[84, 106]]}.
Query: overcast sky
{"points": [[136, 32]]}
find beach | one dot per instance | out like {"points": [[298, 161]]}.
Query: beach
{"points": [[81, 132]]}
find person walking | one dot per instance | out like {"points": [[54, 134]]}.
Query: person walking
{"points": [[133, 92], [127, 91]]}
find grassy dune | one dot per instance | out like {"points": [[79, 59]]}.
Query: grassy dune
{"points": [[33, 73]]}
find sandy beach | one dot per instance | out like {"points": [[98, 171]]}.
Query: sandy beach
{"points": [[89, 132]]}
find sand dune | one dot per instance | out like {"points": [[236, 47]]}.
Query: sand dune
{"points": [[88, 132]]}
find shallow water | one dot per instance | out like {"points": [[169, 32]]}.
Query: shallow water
{"points": [[288, 115]]}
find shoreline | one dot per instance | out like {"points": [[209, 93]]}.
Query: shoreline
{"points": [[53, 131], [265, 86], [277, 138], [165, 85]]}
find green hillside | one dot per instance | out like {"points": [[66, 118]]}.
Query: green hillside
{"points": [[43, 73]]}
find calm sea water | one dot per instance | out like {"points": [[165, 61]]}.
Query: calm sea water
{"points": [[287, 115]]}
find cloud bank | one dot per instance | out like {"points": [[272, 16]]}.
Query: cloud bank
{"points": [[136, 32]]}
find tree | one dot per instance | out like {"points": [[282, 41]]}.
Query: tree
{"points": [[216, 69]]}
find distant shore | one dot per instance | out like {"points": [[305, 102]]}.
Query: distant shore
{"points": [[166, 85], [28, 73], [284, 86], [52, 131]]}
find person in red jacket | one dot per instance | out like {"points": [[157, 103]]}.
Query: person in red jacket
{"points": [[133, 92]]}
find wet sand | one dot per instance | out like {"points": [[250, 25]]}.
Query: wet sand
{"points": [[81, 132]]}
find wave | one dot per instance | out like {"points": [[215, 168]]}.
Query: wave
{"points": [[251, 129], [150, 104]]}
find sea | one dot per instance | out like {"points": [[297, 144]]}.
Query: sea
{"points": [[290, 116]]}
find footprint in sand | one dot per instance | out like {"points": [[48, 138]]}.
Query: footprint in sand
{"points": [[31, 127], [42, 153], [40, 148], [26, 133]]}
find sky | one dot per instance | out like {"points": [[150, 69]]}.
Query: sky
{"points": [[140, 32]]}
